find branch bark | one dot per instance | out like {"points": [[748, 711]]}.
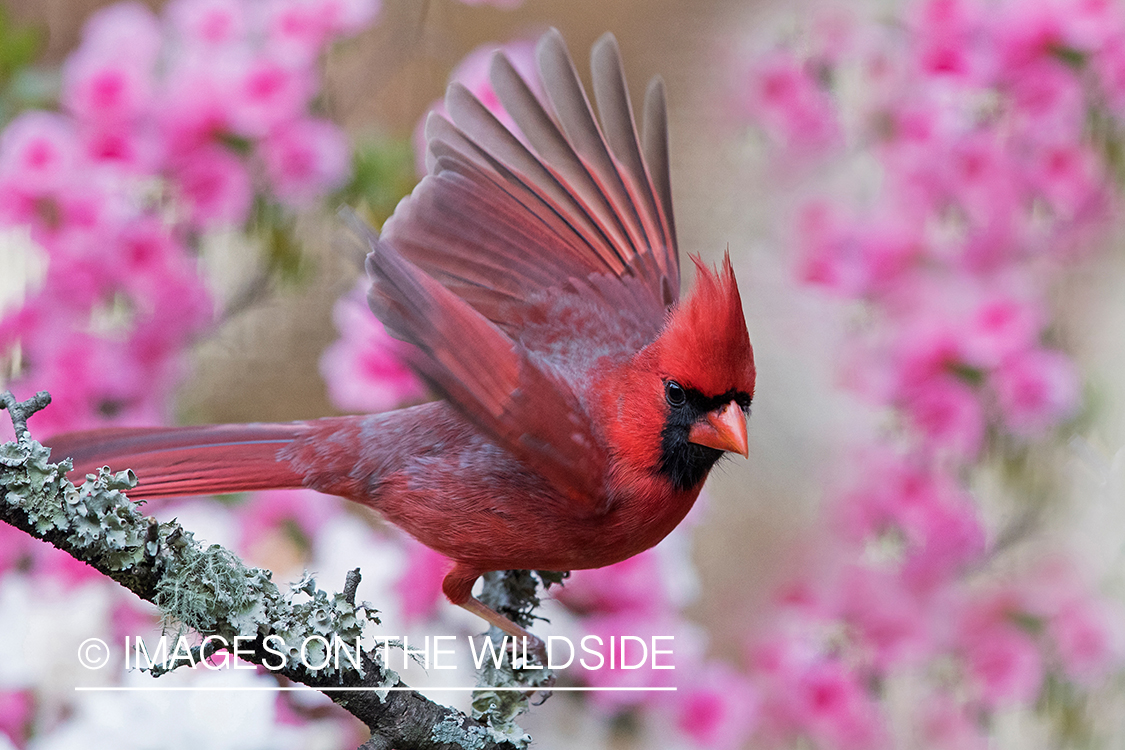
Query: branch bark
{"points": [[211, 591]]}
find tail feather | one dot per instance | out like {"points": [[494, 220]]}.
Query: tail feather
{"points": [[198, 460]]}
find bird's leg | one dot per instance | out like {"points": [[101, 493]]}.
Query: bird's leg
{"points": [[458, 586], [492, 617]]}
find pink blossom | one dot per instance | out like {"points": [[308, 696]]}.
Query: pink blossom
{"points": [[833, 708], [194, 106], [1087, 638], [132, 149], [1069, 177], [213, 23], [928, 346], [266, 92], [100, 87], [935, 519], [945, 29], [630, 585], [1036, 389], [1090, 24], [1048, 102], [1110, 69], [300, 513], [978, 178], [791, 106], [1004, 663], [854, 258], [38, 152], [1027, 33], [17, 707], [948, 414], [350, 16], [363, 369], [124, 26], [948, 726], [952, 540], [305, 159], [719, 710], [215, 185], [632, 633], [419, 588], [92, 381], [299, 29], [805, 693], [1000, 326], [63, 568], [891, 620], [145, 248]]}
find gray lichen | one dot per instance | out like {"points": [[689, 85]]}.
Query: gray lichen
{"points": [[211, 592], [451, 732]]}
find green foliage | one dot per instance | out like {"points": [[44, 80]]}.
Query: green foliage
{"points": [[276, 229], [382, 173], [21, 86]]}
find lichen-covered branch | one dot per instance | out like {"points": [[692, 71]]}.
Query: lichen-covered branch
{"points": [[210, 591]]}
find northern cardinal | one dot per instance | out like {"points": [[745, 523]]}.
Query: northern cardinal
{"points": [[537, 277]]}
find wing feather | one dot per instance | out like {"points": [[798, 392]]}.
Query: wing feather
{"points": [[509, 227], [494, 382], [655, 140], [616, 112]]}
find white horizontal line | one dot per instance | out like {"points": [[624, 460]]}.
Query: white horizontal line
{"points": [[295, 688]]}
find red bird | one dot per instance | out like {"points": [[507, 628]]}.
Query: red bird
{"points": [[537, 277]]}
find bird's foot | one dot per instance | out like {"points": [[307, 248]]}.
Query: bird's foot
{"points": [[528, 652]]}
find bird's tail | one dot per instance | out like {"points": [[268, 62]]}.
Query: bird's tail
{"points": [[197, 460]]}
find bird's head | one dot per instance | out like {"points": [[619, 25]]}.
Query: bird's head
{"points": [[695, 381]]}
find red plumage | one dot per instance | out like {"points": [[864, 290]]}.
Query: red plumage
{"points": [[583, 406]]}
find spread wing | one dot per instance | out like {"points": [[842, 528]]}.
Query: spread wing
{"points": [[501, 219], [503, 224]]}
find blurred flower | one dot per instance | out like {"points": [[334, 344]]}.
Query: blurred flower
{"points": [[305, 159], [16, 710], [1036, 389], [1087, 638], [215, 23], [215, 186], [419, 588], [631, 585], [363, 369], [267, 92], [719, 709], [791, 105], [1004, 662]]}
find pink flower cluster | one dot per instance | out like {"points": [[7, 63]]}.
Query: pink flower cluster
{"points": [[978, 117], [363, 369], [210, 108], [168, 128]]}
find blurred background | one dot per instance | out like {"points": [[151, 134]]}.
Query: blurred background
{"points": [[760, 522]]}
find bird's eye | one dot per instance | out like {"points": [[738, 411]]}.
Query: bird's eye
{"points": [[674, 393]]}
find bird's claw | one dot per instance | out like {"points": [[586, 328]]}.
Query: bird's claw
{"points": [[527, 650]]}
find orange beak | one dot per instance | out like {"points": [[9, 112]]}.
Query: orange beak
{"points": [[724, 429]]}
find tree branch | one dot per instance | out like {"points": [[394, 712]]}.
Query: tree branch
{"points": [[213, 593]]}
